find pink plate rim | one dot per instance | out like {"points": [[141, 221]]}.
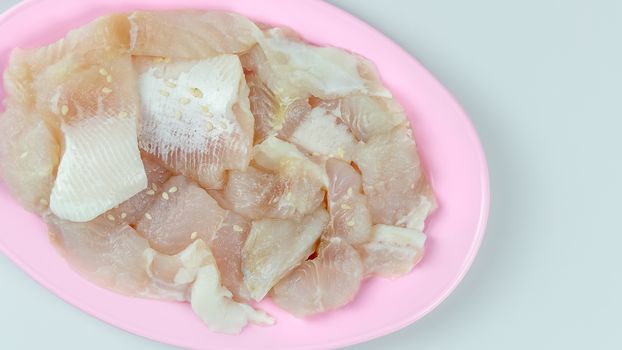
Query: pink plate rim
{"points": [[479, 167]]}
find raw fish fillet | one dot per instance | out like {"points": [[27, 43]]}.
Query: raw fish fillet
{"points": [[274, 247], [117, 258], [111, 256], [181, 213], [393, 251], [260, 194], [132, 210], [328, 282], [190, 34], [30, 127], [283, 157], [213, 303], [226, 245], [273, 116], [348, 207], [292, 69], [398, 192], [365, 115], [196, 116], [29, 155], [321, 133]]}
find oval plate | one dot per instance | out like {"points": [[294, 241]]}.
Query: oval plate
{"points": [[447, 143]]}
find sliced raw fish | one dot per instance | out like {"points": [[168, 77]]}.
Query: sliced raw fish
{"points": [[196, 116], [397, 190], [393, 251], [322, 134], [100, 168], [284, 158], [29, 155], [191, 33], [181, 213], [365, 115], [132, 210], [111, 256], [260, 194], [30, 126], [328, 282], [274, 247], [273, 116], [293, 69], [226, 245], [348, 207], [214, 304]]}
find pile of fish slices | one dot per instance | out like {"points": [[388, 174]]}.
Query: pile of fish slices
{"points": [[195, 156]]}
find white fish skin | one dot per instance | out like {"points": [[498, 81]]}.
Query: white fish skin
{"points": [[274, 247], [214, 303], [196, 116], [393, 251], [100, 168]]}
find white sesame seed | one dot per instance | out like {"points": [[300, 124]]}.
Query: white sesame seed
{"points": [[171, 84], [223, 125], [150, 192], [178, 115], [167, 59], [165, 196], [340, 152], [23, 155], [43, 201], [154, 186], [64, 109], [237, 228], [209, 126], [349, 191], [184, 100], [164, 93], [278, 127], [148, 216], [206, 110], [110, 217], [345, 206], [109, 78], [106, 90], [123, 215], [196, 92], [172, 189], [194, 235], [123, 114], [351, 223], [103, 71]]}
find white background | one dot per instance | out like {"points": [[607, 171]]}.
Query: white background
{"points": [[542, 81]]}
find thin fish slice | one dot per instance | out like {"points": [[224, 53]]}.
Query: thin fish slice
{"points": [[348, 207], [322, 134], [294, 69], [260, 194], [181, 213], [196, 116], [226, 245], [190, 33], [214, 303], [398, 192], [366, 116], [274, 247], [393, 251], [100, 168], [328, 282]]}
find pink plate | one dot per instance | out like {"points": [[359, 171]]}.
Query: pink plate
{"points": [[447, 142]]}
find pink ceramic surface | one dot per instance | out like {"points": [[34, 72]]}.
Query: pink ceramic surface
{"points": [[447, 142]]}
